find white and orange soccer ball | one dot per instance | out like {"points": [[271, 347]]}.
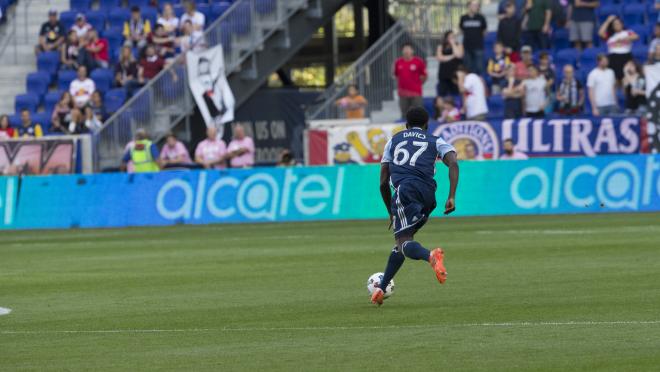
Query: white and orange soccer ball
{"points": [[374, 281]]}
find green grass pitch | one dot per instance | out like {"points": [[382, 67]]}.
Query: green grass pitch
{"points": [[552, 293]]}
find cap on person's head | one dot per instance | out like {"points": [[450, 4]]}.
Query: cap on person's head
{"points": [[52, 12], [417, 117], [526, 49], [80, 16]]}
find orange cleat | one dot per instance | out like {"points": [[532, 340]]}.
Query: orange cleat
{"points": [[377, 297], [436, 261]]}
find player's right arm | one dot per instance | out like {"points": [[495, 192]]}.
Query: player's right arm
{"points": [[385, 191], [448, 153]]}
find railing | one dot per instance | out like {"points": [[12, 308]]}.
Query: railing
{"points": [[166, 99]]}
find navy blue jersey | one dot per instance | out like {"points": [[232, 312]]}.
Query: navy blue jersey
{"points": [[411, 155]]}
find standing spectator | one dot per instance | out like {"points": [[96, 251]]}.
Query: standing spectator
{"points": [[197, 19], [98, 49], [240, 150], [169, 20], [473, 90], [446, 110], [508, 31], [539, 14], [6, 131], [449, 55], [497, 66], [62, 111], [136, 29], [655, 42], [28, 129], [602, 88], [51, 35], [190, 39], [526, 61], [150, 65], [619, 43], [582, 17], [513, 94], [143, 154], [510, 152], [126, 71], [570, 95], [211, 153], [82, 88], [410, 72], [81, 27], [474, 27], [162, 41], [634, 86], [174, 152], [536, 97], [352, 104], [69, 52]]}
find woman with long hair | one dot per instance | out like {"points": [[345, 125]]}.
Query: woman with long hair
{"points": [[449, 55], [619, 43]]}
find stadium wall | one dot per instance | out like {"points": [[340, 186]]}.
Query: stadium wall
{"points": [[537, 186]]}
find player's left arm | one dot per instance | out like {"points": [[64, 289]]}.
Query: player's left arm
{"points": [[448, 153]]}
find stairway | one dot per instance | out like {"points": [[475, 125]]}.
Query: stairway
{"points": [[27, 20]]}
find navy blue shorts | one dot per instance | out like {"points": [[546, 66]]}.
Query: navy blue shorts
{"points": [[411, 207]]}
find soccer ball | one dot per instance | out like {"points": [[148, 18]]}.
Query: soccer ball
{"points": [[374, 281]]}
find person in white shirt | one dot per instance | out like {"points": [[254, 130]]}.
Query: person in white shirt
{"points": [[190, 39], [473, 90], [619, 43], [536, 97], [169, 20], [602, 88], [82, 88], [81, 27], [196, 18]]}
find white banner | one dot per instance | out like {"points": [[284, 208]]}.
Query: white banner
{"points": [[209, 86], [359, 144]]}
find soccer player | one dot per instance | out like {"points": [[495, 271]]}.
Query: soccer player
{"points": [[408, 165]]}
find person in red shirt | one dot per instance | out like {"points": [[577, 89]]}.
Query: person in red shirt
{"points": [[410, 73], [6, 131], [97, 48], [150, 65]]}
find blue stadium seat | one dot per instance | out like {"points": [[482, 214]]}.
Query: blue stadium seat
{"points": [[43, 119], [606, 10], [108, 5], [206, 10], [178, 10], [265, 6], [80, 5], [103, 78], [49, 62], [64, 79], [560, 39], [37, 83], [633, 14], [138, 3], [652, 13], [640, 53], [51, 99], [642, 31], [490, 40], [219, 9], [29, 101], [96, 18], [15, 119], [588, 56], [117, 17], [241, 19], [567, 56], [149, 13], [495, 106], [114, 99], [68, 18], [115, 39]]}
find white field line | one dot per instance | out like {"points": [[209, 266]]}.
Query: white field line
{"points": [[622, 229], [342, 328], [4, 311]]}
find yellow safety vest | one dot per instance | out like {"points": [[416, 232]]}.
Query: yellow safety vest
{"points": [[141, 157]]}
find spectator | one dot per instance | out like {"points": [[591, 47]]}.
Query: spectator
{"points": [[539, 14], [547, 70], [536, 97], [6, 131], [570, 95], [655, 42], [143, 154], [508, 31], [240, 150], [410, 72], [286, 159], [190, 39], [28, 129], [470, 152], [634, 86], [197, 19], [96, 104], [51, 35], [174, 152], [169, 20], [77, 124], [62, 111], [136, 29], [522, 66], [513, 94], [126, 71], [352, 104], [582, 16], [58, 127], [449, 55], [150, 65], [510, 152], [619, 43], [497, 66], [81, 27], [69, 51], [97, 48], [162, 41], [474, 94], [474, 27], [446, 110], [81, 88], [211, 153], [602, 88]]}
